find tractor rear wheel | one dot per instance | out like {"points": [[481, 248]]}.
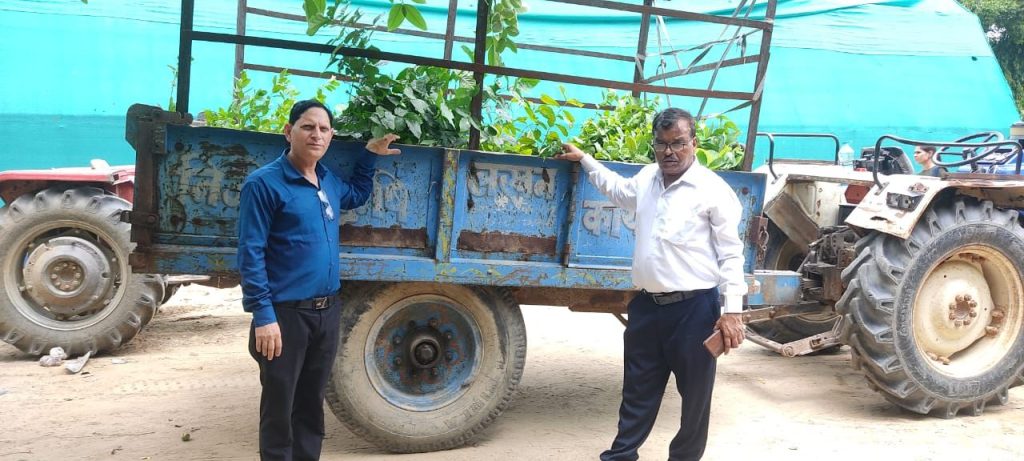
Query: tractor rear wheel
{"points": [[936, 321], [65, 277]]}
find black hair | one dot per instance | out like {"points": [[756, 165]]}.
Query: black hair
{"points": [[928, 149], [668, 118], [302, 106]]}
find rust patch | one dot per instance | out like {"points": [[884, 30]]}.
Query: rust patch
{"points": [[386, 237], [498, 242]]}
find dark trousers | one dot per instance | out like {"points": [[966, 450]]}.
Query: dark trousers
{"points": [[659, 340], [291, 405]]}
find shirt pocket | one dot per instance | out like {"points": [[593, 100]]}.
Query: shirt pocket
{"points": [[682, 229], [301, 221]]}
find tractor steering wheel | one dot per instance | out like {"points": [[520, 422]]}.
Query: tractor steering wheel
{"points": [[972, 152]]}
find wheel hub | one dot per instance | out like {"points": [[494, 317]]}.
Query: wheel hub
{"points": [[960, 320], [68, 276], [425, 349]]}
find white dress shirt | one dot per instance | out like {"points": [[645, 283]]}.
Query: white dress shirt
{"points": [[687, 235]]}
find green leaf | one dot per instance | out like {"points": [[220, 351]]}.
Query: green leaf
{"points": [[395, 17], [548, 114], [468, 51], [415, 18], [414, 127], [530, 113], [548, 100], [446, 113], [420, 105], [315, 18]]}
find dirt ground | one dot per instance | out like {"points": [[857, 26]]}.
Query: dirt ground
{"points": [[189, 374]]}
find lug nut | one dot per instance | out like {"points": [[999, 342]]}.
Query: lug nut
{"points": [[972, 303], [991, 331], [967, 297], [973, 313], [967, 321], [958, 323], [998, 314], [397, 339]]}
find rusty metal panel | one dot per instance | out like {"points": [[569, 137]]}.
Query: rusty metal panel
{"points": [[510, 207], [498, 242], [387, 237]]}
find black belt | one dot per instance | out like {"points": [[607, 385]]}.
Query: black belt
{"points": [[670, 297], [315, 304]]}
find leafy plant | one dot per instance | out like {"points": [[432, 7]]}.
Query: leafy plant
{"points": [[423, 105], [502, 25], [260, 109], [620, 134], [519, 125], [718, 145]]}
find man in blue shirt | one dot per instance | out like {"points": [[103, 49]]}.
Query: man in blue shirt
{"points": [[289, 262]]}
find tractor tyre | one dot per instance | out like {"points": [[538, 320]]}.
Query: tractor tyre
{"points": [[65, 277], [936, 321]]}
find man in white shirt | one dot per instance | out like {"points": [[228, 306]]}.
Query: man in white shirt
{"points": [[687, 245]]}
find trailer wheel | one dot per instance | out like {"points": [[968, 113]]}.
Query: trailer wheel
{"points": [[66, 280], [936, 322], [425, 366], [783, 254]]}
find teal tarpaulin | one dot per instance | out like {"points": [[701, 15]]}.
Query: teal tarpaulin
{"points": [[859, 69]]}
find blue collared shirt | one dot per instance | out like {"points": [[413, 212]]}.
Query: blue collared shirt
{"points": [[288, 246]]}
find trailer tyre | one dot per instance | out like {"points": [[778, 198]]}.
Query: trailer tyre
{"points": [[424, 366], [936, 321], [65, 277]]}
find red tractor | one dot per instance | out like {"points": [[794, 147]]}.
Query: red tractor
{"points": [[64, 274]]}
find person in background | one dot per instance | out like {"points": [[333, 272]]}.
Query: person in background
{"points": [[687, 244], [289, 262], [924, 156]]}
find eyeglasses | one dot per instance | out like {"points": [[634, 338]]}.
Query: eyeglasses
{"points": [[328, 211], [677, 146]]}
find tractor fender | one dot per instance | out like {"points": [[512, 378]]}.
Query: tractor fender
{"points": [[896, 206]]}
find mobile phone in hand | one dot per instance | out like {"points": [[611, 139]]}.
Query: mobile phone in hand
{"points": [[715, 344]]}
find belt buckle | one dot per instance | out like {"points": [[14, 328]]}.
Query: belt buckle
{"points": [[320, 303]]}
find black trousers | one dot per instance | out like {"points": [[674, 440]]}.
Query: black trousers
{"points": [[659, 340], [291, 405]]}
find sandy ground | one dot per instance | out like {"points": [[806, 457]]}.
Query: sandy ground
{"points": [[189, 373]]}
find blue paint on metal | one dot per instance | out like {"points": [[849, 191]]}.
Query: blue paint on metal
{"points": [[451, 346], [577, 239], [778, 288]]}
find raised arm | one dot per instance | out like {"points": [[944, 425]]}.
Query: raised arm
{"points": [[620, 191]]}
